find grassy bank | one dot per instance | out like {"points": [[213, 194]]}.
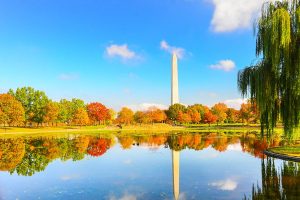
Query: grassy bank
{"points": [[293, 151], [158, 128]]}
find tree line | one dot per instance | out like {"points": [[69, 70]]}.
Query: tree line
{"points": [[26, 156], [27, 106]]}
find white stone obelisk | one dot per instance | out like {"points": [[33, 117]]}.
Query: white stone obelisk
{"points": [[174, 100], [174, 84]]}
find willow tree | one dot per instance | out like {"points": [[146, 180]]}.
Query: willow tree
{"points": [[274, 81]]}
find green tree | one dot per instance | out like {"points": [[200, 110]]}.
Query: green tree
{"points": [[274, 81], [68, 108], [33, 101], [11, 110]]}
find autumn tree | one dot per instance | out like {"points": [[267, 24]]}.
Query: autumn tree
{"points": [[219, 110], [125, 116], [156, 115], [232, 115], [194, 114], [183, 117], [201, 109], [80, 117], [33, 101], [52, 111], [249, 112], [2, 117], [141, 117], [11, 110], [112, 114], [209, 117], [174, 109], [98, 112], [11, 153]]}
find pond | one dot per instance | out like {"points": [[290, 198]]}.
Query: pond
{"points": [[157, 166]]}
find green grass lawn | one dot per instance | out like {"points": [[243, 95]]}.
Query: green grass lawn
{"points": [[159, 127], [287, 150]]}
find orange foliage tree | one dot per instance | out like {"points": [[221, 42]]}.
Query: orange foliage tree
{"points": [[80, 117], [156, 115], [209, 117], [125, 116], [12, 111], [194, 114], [249, 112], [219, 110], [52, 111]]}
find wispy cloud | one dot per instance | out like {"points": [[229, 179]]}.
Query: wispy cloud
{"points": [[69, 177], [68, 76], [230, 15], [120, 51], [127, 162], [179, 51], [146, 106], [227, 184], [225, 65], [124, 197]]}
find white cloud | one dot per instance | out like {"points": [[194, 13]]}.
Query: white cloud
{"points": [[234, 147], [180, 52], [230, 15], [227, 184], [121, 51], [226, 65], [146, 106], [67, 77], [235, 103]]}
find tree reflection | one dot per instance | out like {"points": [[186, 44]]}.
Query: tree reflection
{"points": [[282, 183], [26, 156]]}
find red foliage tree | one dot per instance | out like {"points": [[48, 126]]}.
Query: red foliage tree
{"points": [[209, 117], [98, 147], [97, 112]]}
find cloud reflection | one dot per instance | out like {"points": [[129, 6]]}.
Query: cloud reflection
{"points": [[124, 197], [227, 184]]}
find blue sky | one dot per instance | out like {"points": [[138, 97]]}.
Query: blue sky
{"points": [[118, 52]]}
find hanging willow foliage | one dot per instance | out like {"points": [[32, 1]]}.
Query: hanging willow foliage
{"points": [[274, 81]]}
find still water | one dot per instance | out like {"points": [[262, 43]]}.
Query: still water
{"points": [[164, 166]]}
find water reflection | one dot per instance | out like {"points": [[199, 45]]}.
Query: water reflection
{"points": [[278, 182], [176, 175], [28, 156]]}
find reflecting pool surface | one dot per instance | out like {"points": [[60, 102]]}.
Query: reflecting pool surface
{"points": [[165, 166]]}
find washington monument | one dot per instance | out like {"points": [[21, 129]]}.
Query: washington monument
{"points": [[174, 100]]}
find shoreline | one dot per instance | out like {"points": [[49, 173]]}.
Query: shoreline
{"points": [[159, 128], [281, 156]]}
